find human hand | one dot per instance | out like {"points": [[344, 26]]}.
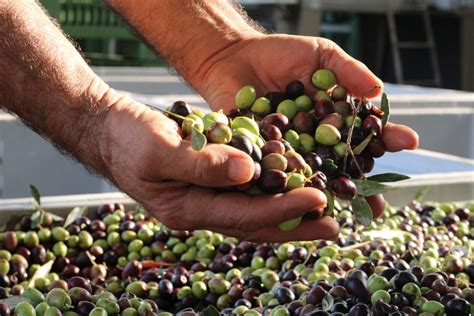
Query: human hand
{"points": [[269, 62], [147, 158]]}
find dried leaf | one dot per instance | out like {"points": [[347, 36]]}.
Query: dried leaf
{"points": [[362, 210], [198, 140], [369, 188], [75, 213], [385, 106], [42, 272], [388, 177]]}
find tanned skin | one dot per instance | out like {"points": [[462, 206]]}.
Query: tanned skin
{"points": [[216, 49]]}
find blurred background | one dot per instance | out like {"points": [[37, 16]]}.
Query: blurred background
{"points": [[423, 50]]}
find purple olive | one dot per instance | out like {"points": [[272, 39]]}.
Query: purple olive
{"points": [[294, 89], [242, 143], [372, 124], [304, 122], [271, 132], [273, 181], [279, 120], [295, 161], [376, 147], [322, 108], [273, 146], [343, 188], [313, 160]]}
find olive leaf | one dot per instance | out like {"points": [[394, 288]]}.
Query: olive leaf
{"points": [[13, 301], [42, 272], [13, 220], [360, 148], [328, 302], [388, 177], [35, 194], [37, 218], [198, 140], [385, 107], [210, 310], [421, 193], [74, 214], [328, 167], [362, 210], [329, 210], [369, 188]]}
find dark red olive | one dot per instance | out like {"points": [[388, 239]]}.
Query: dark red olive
{"points": [[273, 146], [272, 181], [304, 122], [79, 294], [313, 160], [165, 288], [322, 108], [74, 229], [10, 241], [24, 252], [458, 307], [339, 94], [132, 269], [4, 309], [78, 281], [84, 308], [368, 163], [181, 108], [97, 225], [357, 136], [343, 188], [356, 285], [372, 124], [271, 132], [25, 223], [376, 147], [70, 270], [295, 161], [440, 286], [104, 210], [429, 279], [317, 183], [355, 167], [279, 120], [294, 89]]}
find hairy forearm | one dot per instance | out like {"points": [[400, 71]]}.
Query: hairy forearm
{"points": [[47, 83], [189, 34]]}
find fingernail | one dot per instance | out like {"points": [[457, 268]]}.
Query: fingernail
{"points": [[239, 169]]}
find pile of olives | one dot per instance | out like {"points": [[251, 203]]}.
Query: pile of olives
{"points": [[296, 140], [415, 260]]}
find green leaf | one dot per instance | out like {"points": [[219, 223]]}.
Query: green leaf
{"points": [[54, 217], [385, 107], [37, 218], [369, 188], [13, 301], [388, 177], [198, 140], [362, 210], [35, 194], [76, 213], [329, 167], [328, 302], [210, 310], [360, 148], [421, 193], [42, 272], [329, 210], [13, 220]]}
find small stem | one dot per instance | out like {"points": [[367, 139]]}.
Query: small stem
{"points": [[165, 112]]}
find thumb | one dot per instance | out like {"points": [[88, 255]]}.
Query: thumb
{"points": [[213, 166], [350, 73]]}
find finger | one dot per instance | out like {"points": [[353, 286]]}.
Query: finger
{"points": [[350, 73], [398, 137], [324, 228], [205, 208], [377, 204], [213, 166]]}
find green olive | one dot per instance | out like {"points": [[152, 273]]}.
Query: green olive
{"points": [[59, 233], [323, 79], [293, 138], [219, 133], [41, 308], [110, 306], [348, 121], [433, 307], [60, 249], [380, 295], [290, 224], [247, 123], [129, 311], [287, 108], [4, 266], [303, 103], [212, 117], [327, 135], [269, 278], [85, 239], [376, 283], [340, 149], [246, 133], [31, 239], [59, 298], [191, 121], [98, 311], [24, 309], [307, 142], [33, 295], [199, 289], [245, 97], [261, 106], [295, 180]]}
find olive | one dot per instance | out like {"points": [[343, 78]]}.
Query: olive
{"points": [[132, 269], [287, 108], [10, 241], [279, 120], [271, 132], [214, 117], [376, 147], [316, 295], [273, 146], [313, 160], [304, 122], [458, 306], [246, 123], [273, 181], [294, 89], [334, 119], [245, 97], [343, 188], [323, 79], [24, 309], [256, 153], [261, 106], [356, 284], [98, 311], [290, 224], [323, 108], [404, 277], [295, 161], [359, 309], [303, 103], [327, 135], [84, 308], [58, 298], [274, 161], [339, 93], [284, 295], [181, 108], [78, 294], [109, 305], [189, 122], [372, 124], [242, 143]]}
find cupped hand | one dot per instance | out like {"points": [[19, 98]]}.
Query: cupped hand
{"points": [[146, 157], [269, 62]]}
